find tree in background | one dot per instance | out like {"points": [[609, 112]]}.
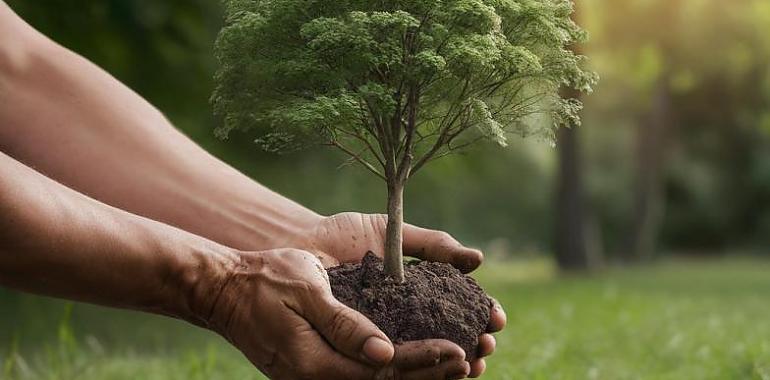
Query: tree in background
{"points": [[718, 189], [655, 119], [690, 78], [398, 84], [571, 246]]}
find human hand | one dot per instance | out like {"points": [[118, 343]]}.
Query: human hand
{"points": [[277, 307], [346, 237]]}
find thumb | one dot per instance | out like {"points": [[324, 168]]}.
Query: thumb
{"points": [[439, 246], [349, 331]]}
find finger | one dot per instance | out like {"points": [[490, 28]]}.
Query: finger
{"points": [[452, 370], [432, 245], [336, 366], [349, 331], [477, 368], [309, 356], [487, 344], [497, 317], [426, 353]]}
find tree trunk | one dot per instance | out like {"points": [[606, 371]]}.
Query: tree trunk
{"points": [[650, 155], [394, 256], [571, 248], [571, 252]]}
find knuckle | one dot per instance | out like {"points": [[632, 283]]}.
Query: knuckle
{"points": [[293, 253], [444, 238], [380, 218], [377, 223], [296, 261], [305, 289], [433, 355], [343, 325]]}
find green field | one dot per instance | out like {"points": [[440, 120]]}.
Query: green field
{"points": [[676, 320]]}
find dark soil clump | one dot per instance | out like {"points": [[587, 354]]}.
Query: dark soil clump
{"points": [[435, 302]]}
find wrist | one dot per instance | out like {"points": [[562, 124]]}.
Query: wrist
{"points": [[270, 223], [198, 278]]}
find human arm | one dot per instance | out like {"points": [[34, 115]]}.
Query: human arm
{"points": [[275, 306], [77, 124]]}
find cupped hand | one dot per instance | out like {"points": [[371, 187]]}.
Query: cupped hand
{"points": [[346, 237], [277, 307]]}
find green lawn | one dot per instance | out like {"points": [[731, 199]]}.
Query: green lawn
{"points": [[677, 320]]}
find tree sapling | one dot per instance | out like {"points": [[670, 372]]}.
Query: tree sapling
{"points": [[397, 84]]}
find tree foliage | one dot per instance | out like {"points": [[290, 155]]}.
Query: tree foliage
{"points": [[396, 84]]}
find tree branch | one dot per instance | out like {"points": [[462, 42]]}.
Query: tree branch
{"points": [[358, 136], [358, 158], [445, 129]]}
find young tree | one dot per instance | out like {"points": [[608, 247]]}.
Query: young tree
{"points": [[396, 84]]}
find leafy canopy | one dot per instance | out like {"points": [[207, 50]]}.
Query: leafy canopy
{"points": [[398, 82]]}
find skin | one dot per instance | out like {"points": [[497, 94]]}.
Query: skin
{"points": [[58, 242], [193, 237]]}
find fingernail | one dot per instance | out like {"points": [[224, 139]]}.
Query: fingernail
{"points": [[471, 259], [378, 351]]}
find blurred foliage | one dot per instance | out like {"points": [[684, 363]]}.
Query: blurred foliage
{"points": [[715, 59], [715, 56]]}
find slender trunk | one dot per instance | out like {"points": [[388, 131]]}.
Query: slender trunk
{"points": [[571, 252], [649, 204], [571, 247], [394, 256]]}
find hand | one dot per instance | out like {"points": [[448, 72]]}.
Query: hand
{"points": [[346, 237], [278, 309]]}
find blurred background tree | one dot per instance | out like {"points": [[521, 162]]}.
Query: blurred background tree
{"points": [[675, 142], [685, 93], [571, 249]]}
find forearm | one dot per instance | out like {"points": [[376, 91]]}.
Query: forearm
{"points": [[58, 242], [74, 122]]}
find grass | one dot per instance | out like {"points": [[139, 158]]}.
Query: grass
{"points": [[675, 320]]}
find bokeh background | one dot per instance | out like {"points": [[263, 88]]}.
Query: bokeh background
{"points": [[638, 248]]}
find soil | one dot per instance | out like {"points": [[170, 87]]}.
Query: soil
{"points": [[435, 302]]}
